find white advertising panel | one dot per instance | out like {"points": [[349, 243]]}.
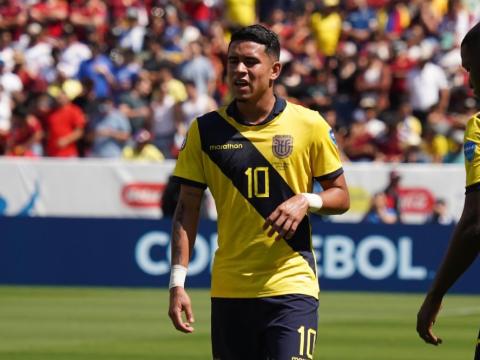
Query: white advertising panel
{"points": [[112, 188]]}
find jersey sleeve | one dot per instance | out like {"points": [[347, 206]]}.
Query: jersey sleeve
{"points": [[471, 150], [324, 153], [189, 167]]}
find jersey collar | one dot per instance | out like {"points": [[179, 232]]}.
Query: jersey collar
{"points": [[278, 108]]}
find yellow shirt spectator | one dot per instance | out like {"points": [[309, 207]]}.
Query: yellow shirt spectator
{"points": [[142, 150], [327, 29], [436, 146], [176, 89], [241, 12]]}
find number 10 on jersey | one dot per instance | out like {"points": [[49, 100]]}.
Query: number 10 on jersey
{"points": [[257, 182]]}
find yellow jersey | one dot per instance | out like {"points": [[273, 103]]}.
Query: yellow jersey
{"points": [[250, 170], [472, 153]]}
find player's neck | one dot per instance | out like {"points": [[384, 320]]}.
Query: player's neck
{"points": [[256, 111]]}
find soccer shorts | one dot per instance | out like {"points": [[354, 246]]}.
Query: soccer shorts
{"points": [[477, 350], [274, 328]]}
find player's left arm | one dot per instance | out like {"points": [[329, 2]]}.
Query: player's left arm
{"points": [[463, 250], [284, 220]]}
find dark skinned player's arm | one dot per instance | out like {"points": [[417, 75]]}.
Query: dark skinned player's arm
{"points": [[462, 251]]}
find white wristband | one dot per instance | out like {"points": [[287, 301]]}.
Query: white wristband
{"points": [[315, 201], [177, 276]]}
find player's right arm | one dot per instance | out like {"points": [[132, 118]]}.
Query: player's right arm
{"points": [[462, 251], [184, 231]]}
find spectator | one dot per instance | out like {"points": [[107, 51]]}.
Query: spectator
{"points": [[455, 153], [73, 53], [359, 145], [440, 214], [198, 68], [89, 16], [195, 105], [319, 91], [392, 194], [10, 82], [379, 212], [109, 131], [38, 51], [164, 123], [434, 145], [375, 77], [7, 53], [427, 85], [361, 22], [175, 87], [142, 149], [132, 32], [240, 13], [389, 142], [65, 123], [25, 134], [200, 13], [327, 27], [99, 69], [13, 16], [410, 128], [50, 14], [369, 111], [135, 104], [394, 19], [127, 71]]}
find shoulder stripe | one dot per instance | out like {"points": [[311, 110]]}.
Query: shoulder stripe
{"points": [[332, 175], [184, 181], [234, 155]]}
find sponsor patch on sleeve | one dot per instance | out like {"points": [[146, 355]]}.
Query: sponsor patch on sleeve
{"points": [[469, 150], [332, 137]]}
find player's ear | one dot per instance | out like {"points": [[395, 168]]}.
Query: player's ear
{"points": [[276, 69]]}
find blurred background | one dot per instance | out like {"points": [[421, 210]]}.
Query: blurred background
{"points": [[96, 98]]}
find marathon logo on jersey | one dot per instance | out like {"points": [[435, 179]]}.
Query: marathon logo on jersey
{"points": [[227, 146], [469, 150], [282, 146]]}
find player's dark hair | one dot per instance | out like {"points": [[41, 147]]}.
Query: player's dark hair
{"points": [[472, 38], [261, 35]]}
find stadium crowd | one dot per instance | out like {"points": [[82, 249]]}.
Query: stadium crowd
{"points": [[124, 78]]}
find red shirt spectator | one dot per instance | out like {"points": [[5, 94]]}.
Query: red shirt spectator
{"points": [[51, 14], [13, 16], [65, 125], [25, 135], [89, 15]]}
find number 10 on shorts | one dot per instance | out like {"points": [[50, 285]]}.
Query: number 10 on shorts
{"points": [[307, 342]]}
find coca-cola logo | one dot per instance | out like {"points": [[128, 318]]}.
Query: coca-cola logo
{"points": [[416, 200], [143, 195]]}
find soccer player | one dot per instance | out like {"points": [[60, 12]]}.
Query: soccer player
{"points": [[259, 156], [465, 243]]}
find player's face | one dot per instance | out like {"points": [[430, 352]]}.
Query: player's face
{"points": [[470, 64], [250, 70]]}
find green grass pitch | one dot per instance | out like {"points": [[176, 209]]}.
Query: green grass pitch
{"points": [[43, 323]]}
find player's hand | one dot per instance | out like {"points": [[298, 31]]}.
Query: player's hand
{"points": [[285, 219], [426, 318], [180, 302]]}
